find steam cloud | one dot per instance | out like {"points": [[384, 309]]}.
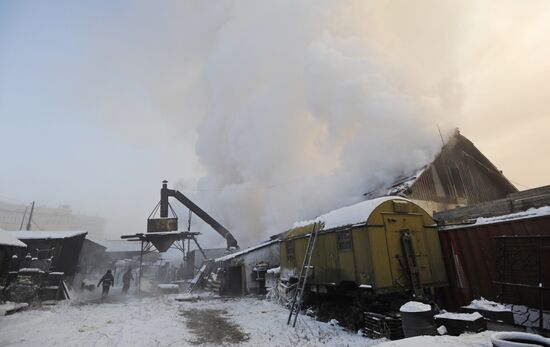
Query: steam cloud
{"points": [[296, 107]]}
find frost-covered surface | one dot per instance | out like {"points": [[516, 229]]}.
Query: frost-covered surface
{"points": [[158, 321], [487, 305], [465, 340], [349, 215], [460, 316], [528, 317], [415, 306], [6, 239], [9, 306], [31, 234], [168, 286], [275, 270], [530, 213]]}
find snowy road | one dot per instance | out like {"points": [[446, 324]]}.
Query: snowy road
{"points": [[163, 321]]}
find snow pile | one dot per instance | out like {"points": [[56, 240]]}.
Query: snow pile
{"points": [[158, 321], [6, 239], [460, 316], [349, 215], [486, 305], [415, 306], [275, 270], [464, 340], [168, 286]]}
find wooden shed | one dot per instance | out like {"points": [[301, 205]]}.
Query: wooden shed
{"points": [[460, 175]]}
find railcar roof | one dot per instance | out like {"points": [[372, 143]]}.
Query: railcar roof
{"points": [[349, 215]]}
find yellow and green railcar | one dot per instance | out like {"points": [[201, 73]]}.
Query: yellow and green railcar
{"points": [[385, 245]]}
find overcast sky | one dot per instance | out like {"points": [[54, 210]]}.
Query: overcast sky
{"points": [[101, 100]]}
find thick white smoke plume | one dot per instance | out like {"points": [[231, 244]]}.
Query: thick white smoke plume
{"points": [[299, 106], [281, 110], [305, 114]]}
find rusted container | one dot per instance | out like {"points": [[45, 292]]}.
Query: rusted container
{"points": [[471, 260]]}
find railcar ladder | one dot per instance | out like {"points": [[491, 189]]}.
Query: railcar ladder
{"points": [[304, 273], [410, 262]]}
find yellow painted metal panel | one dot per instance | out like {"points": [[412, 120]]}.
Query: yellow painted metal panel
{"points": [[379, 257]]}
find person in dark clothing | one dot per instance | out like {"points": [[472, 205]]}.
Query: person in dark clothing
{"points": [[108, 281], [126, 278]]}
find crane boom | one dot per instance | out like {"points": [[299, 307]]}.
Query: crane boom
{"points": [[165, 193]]}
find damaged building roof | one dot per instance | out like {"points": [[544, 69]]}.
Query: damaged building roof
{"points": [[460, 175]]}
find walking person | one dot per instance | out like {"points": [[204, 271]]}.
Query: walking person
{"points": [[108, 281], [126, 278]]}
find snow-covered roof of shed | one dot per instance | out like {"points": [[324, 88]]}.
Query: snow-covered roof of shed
{"points": [[120, 245], [530, 213], [245, 251], [6, 239], [35, 235], [349, 215]]}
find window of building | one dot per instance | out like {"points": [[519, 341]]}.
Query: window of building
{"points": [[344, 241], [290, 250]]}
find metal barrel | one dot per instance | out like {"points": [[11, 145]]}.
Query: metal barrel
{"points": [[418, 323]]}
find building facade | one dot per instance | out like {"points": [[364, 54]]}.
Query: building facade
{"points": [[16, 217]]}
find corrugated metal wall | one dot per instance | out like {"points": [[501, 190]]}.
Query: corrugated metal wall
{"points": [[470, 256]]}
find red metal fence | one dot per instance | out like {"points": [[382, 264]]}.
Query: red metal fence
{"points": [[470, 255]]}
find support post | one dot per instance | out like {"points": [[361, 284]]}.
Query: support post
{"points": [[164, 199], [140, 268]]}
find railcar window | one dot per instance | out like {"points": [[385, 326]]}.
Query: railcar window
{"points": [[344, 241], [290, 250]]}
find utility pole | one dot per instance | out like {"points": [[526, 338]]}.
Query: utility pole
{"points": [[30, 217], [23, 219]]}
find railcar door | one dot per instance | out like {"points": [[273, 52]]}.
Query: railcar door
{"points": [[397, 224]]}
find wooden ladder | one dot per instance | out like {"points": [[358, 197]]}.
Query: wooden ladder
{"points": [[296, 305]]}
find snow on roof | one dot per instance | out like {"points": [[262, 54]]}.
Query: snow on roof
{"points": [[7, 239], [349, 215], [34, 235], [244, 251], [530, 213], [120, 245]]}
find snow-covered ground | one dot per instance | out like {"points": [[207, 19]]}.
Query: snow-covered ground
{"points": [[164, 321]]}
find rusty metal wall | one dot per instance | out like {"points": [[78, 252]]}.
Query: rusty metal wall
{"points": [[470, 258]]}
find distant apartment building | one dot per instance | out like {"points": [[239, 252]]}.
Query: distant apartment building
{"points": [[13, 217]]}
